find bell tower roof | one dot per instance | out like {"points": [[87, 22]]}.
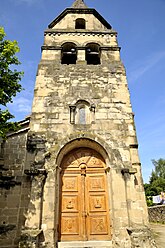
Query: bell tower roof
{"points": [[79, 7], [79, 4]]}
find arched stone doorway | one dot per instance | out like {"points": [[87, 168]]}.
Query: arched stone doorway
{"points": [[84, 204]]}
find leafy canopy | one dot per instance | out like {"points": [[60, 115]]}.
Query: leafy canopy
{"points": [[9, 81]]}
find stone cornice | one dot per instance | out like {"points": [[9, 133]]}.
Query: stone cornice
{"points": [[92, 32], [105, 48]]}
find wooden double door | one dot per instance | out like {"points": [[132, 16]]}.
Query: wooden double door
{"points": [[84, 211]]}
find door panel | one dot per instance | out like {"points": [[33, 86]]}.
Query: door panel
{"points": [[98, 227], [70, 183], [98, 208], [70, 208], [97, 203], [70, 226], [84, 212]]}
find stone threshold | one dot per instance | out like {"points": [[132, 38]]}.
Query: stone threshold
{"points": [[85, 244]]}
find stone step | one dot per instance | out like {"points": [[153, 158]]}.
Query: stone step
{"points": [[85, 244]]}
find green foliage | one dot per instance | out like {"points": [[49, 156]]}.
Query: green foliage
{"points": [[159, 169], [156, 183], [9, 81]]}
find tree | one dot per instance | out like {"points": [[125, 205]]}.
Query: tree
{"points": [[159, 171], [156, 183], [9, 81]]}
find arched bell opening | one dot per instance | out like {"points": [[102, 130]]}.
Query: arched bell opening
{"points": [[80, 23], [69, 53], [93, 54]]}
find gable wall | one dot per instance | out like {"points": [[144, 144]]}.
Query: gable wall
{"points": [[68, 22]]}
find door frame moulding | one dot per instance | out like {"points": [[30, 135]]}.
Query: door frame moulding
{"points": [[96, 144], [83, 179]]}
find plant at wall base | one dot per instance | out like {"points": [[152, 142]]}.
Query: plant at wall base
{"points": [[9, 81], [156, 183]]}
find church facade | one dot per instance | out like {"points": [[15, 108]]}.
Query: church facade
{"points": [[71, 176]]}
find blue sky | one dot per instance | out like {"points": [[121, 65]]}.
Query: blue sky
{"points": [[141, 35]]}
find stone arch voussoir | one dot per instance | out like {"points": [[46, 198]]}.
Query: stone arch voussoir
{"points": [[84, 139]]}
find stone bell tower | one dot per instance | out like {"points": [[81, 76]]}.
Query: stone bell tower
{"points": [[86, 188]]}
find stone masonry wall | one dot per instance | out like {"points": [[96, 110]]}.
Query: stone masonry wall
{"points": [[30, 167], [59, 86], [157, 214], [104, 86], [109, 127], [14, 189]]}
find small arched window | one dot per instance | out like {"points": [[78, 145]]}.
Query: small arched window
{"points": [[68, 53], [82, 113], [92, 54], [80, 23]]}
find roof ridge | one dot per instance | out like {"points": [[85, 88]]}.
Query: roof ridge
{"points": [[79, 4]]}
